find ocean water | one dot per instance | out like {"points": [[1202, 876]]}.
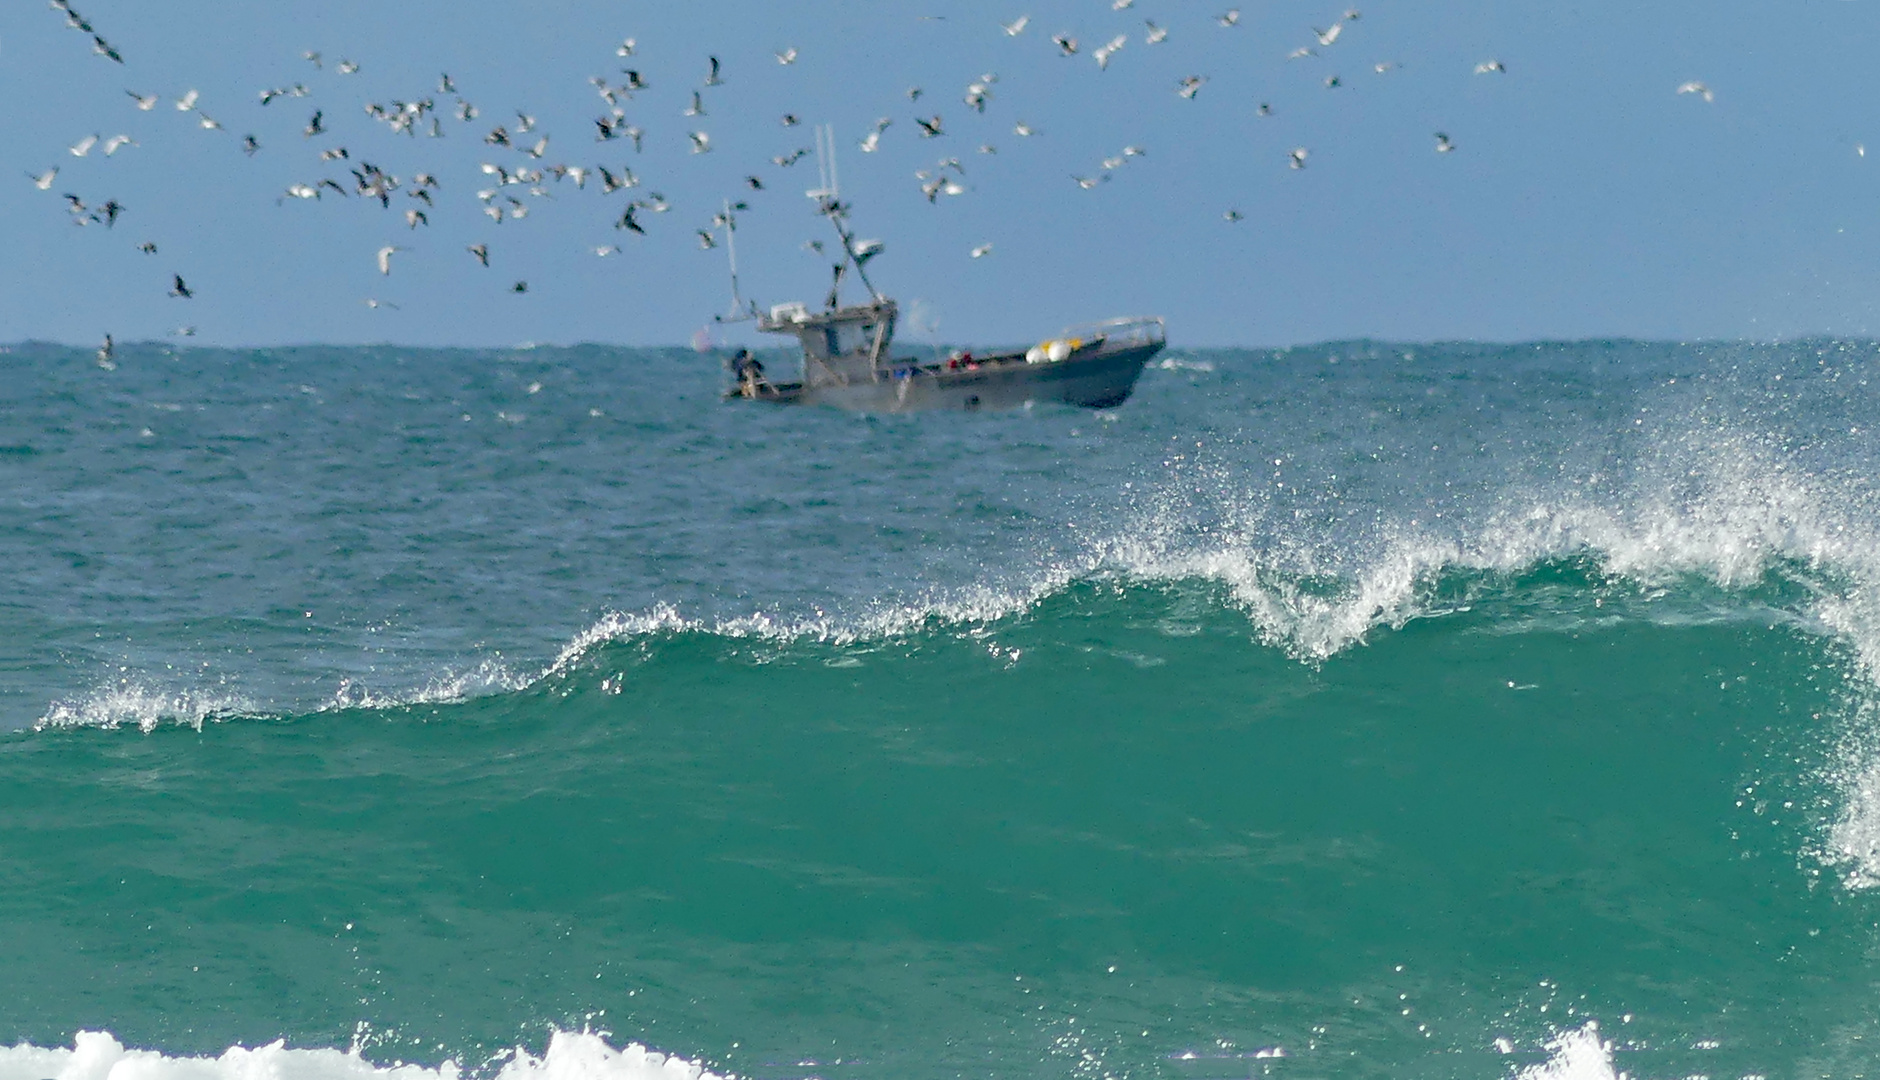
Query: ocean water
{"points": [[1361, 710]]}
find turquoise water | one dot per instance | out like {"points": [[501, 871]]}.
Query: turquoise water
{"points": [[1358, 711]]}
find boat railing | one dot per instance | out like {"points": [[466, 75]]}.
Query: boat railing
{"points": [[1121, 333]]}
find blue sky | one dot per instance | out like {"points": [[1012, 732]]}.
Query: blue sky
{"points": [[1585, 197]]}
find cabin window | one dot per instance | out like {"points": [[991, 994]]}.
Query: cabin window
{"points": [[846, 338]]}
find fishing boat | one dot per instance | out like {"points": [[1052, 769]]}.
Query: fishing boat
{"points": [[847, 351]]}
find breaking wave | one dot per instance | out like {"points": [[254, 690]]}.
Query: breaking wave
{"points": [[98, 1055]]}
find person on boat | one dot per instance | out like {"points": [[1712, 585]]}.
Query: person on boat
{"points": [[748, 370]]}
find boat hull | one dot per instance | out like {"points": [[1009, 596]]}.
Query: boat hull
{"points": [[1099, 381]]}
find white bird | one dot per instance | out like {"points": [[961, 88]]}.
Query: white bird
{"points": [[697, 108], [1087, 182], [871, 143], [44, 180], [1157, 34], [1383, 66], [1120, 5], [626, 47], [385, 258], [1228, 17], [346, 67], [610, 249], [701, 142], [1327, 37], [1487, 66], [1191, 86], [787, 56], [1023, 129], [711, 77], [1104, 53], [1133, 151], [186, 102], [1297, 158], [105, 352], [982, 251], [207, 123], [1016, 26], [146, 102], [117, 142], [83, 146], [988, 148], [377, 304], [1066, 45], [311, 57], [1443, 145], [1233, 216], [1300, 53], [1697, 88]]}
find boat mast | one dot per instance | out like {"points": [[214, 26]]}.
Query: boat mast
{"points": [[829, 203], [741, 309]]}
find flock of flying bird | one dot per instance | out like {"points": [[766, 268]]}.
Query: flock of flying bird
{"points": [[521, 169]]}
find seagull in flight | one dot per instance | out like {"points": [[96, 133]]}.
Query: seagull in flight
{"points": [[1103, 53], [314, 127], [982, 251], [1443, 145], [701, 142], [1697, 88], [787, 56], [1233, 216], [1191, 86], [1016, 26], [626, 47], [1066, 45], [1297, 158], [44, 180], [1229, 17], [385, 258], [1023, 129], [482, 252], [178, 289], [697, 108], [1329, 36], [930, 127], [83, 146], [187, 101], [1487, 66], [712, 78], [146, 102]]}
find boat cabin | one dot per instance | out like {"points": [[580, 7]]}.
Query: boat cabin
{"points": [[841, 345]]}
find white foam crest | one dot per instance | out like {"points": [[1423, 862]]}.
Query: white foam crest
{"points": [[132, 704], [1731, 520], [97, 1055], [449, 687], [978, 605], [1576, 1055]]}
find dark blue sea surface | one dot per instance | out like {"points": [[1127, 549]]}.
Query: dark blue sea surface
{"points": [[1360, 710]]}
